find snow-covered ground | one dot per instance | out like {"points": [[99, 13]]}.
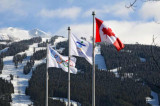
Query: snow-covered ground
{"points": [[99, 59], [13, 34], [115, 71], [59, 39], [3, 42], [40, 48], [4, 50], [20, 81], [142, 59], [66, 101], [20, 34], [45, 38], [154, 101]]}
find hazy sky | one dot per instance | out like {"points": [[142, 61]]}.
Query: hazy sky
{"points": [[54, 16]]}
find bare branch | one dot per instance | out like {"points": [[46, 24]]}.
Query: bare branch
{"points": [[131, 5]]}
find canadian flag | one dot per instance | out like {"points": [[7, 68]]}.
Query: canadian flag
{"points": [[105, 34]]}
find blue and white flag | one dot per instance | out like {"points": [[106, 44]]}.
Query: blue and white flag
{"points": [[81, 48], [59, 61]]}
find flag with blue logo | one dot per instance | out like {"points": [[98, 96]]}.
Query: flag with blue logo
{"points": [[59, 61], [81, 48]]}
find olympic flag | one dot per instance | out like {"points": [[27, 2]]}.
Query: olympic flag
{"points": [[59, 61], [81, 48]]}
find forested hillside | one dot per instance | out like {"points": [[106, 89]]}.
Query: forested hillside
{"points": [[138, 75], [20, 46], [6, 88], [136, 59], [125, 90], [137, 62], [13, 48]]}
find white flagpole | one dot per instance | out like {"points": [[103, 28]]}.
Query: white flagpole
{"points": [[69, 66], [47, 76], [93, 69]]}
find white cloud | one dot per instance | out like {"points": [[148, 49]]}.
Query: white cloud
{"points": [[150, 10], [84, 30], [128, 32], [14, 6], [71, 13], [99, 12], [131, 32], [118, 10]]}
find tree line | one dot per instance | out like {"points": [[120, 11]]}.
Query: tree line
{"points": [[6, 89], [110, 90]]}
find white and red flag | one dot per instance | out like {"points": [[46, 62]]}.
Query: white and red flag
{"points": [[57, 60], [105, 34]]}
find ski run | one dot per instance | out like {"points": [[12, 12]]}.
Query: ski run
{"points": [[20, 80]]}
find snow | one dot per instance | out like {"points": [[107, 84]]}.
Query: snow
{"points": [[45, 38], [60, 50], [115, 71], [142, 59], [20, 34], [37, 62], [20, 81], [59, 39], [37, 32], [154, 101], [128, 75], [40, 48], [129, 51], [3, 42], [66, 101], [13, 34], [99, 59], [4, 50]]}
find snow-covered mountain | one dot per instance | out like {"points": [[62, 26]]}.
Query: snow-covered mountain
{"points": [[37, 32], [20, 34]]}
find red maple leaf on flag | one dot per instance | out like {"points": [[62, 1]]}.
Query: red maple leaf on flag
{"points": [[108, 31]]}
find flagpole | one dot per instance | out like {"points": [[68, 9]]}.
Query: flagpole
{"points": [[47, 76], [93, 68], [69, 66]]}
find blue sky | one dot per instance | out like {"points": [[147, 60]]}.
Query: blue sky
{"points": [[53, 16]]}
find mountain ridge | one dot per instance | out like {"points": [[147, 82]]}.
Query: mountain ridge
{"points": [[14, 34]]}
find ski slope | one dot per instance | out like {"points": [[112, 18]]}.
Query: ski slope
{"points": [[115, 71], [99, 59], [16, 34], [59, 39], [4, 50], [13, 34], [20, 81], [74, 103], [154, 101]]}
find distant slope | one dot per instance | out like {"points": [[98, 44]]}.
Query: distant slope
{"points": [[20, 34], [99, 59], [37, 32], [13, 34]]}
